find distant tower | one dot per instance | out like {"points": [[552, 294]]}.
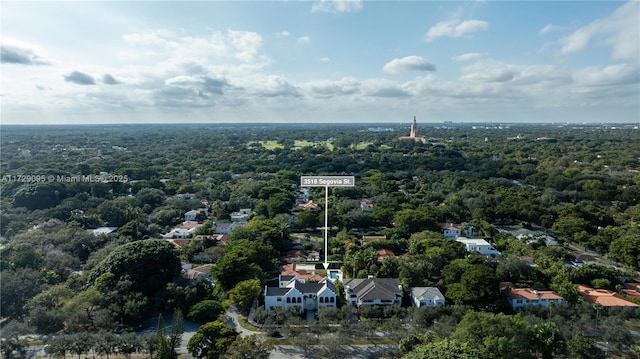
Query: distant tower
{"points": [[414, 128]]}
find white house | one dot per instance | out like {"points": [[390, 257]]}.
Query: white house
{"points": [[478, 245], [521, 297], [102, 230], [242, 215], [373, 291], [292, 292], [225, 228], [192, 214], [426, 297], [452, 230]]}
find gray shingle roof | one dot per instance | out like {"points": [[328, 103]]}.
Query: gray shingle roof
{"points": [[424, 293], [374, 288]]}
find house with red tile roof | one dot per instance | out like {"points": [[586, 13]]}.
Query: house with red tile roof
{"points": [[304, 273], [604, 297], [632, 290], [521, 297], [385, 253]]}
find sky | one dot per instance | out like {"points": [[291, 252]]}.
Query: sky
{"points": [[319, 61]]}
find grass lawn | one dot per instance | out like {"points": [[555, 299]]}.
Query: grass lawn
{"points": [[248, 326]]}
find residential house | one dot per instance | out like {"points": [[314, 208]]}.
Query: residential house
{"points": [[225, 228], [453, 230], [366, 205], [426, 297], [295, 255], [604, 297], [479, 246], [303, 195], [384, 253], [373, 291], [199, 273], [369, 239], [180, 233], [531, 238], [242, 215], [308, 205], [102, 230], [307, 272], [450, 230], [192, 215], [292, 292], [184, 196], [632, 290], [521, 297]]}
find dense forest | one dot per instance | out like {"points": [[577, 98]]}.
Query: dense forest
{"points": [[578, 183]]}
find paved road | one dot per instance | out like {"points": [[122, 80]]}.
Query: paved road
{"points": [[232, 319]]}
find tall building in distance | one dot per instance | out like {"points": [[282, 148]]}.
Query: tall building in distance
{"points": [[414, 128], [413, 135]]}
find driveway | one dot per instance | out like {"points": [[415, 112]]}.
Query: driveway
{"points": [[232, 319]]}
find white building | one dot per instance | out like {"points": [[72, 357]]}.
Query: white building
{"points": [[292, 292], [192, 214], [242, 215], [521, 297], [225, 228], [453, 230], [426, 297], [479, 246]]}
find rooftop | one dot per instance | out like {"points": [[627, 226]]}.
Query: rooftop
{"points": [[604, 297]]}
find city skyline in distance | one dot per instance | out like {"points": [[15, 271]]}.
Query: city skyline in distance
{"points": [[324, 61]]}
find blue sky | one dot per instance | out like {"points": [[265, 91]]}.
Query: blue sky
{"points": [[320, 61]]}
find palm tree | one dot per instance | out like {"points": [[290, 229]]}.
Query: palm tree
{"points": [[597, 307]]}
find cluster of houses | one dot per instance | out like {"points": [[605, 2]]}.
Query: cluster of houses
{"points": [[193, 219], [301, 287]]}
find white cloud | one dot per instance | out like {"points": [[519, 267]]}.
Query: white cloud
{"points": [[183, 81], [614, 75], [383, 88], [328, 88], [467, 57], [283, 34], [408, 64], [18, 52], [548, 28], [324, 59], [619, 30], [267, 86], [336, 6], [243, 46], [304, 39], [455, 29]]}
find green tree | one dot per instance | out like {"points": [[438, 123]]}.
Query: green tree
{"points": [[583, 347], [444, 349], [250, 347], [496, 335], [245, 292], [244, 259], [478, 286], [175, 333], [148, 264], [12, 346], [164, 348], [206, 311], [626, 249], [548, 341], [212, 340]]}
